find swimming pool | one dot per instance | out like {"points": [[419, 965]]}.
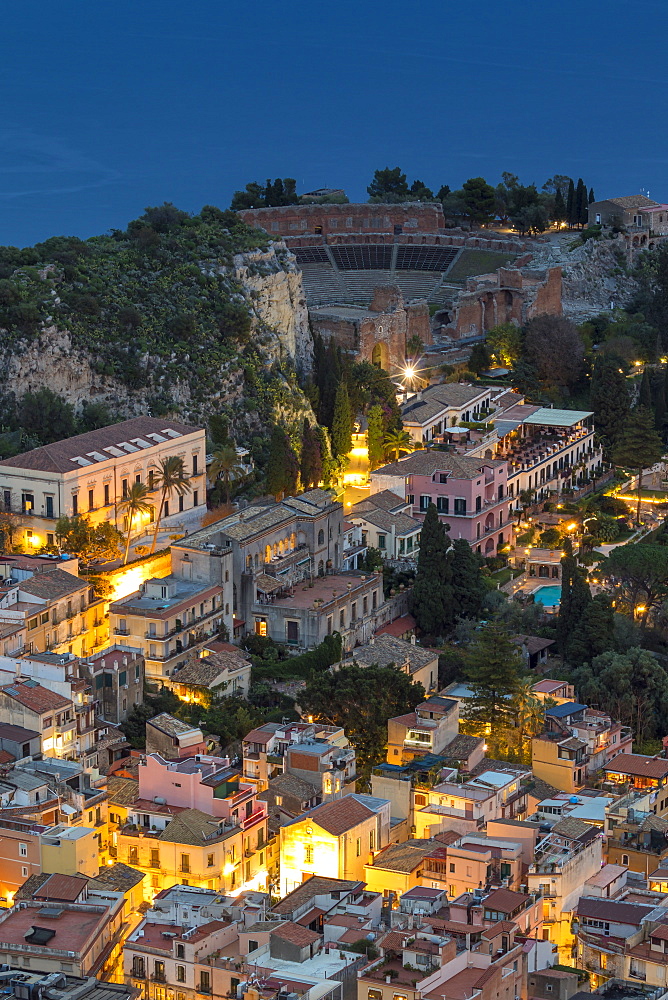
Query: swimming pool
{"points": [[549, 596]]}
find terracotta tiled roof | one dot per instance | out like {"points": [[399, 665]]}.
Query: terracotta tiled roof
{"points": [[119, 877], [122, 791], [425, 463], [398, 627], [318, 885], [403, 857], [35, 697], [203, 671], [296, 934], [339, 816], [505, 900], [58, 457], [53, 585], [192, 826], [573, 828], [638, 765], [30, 886]]}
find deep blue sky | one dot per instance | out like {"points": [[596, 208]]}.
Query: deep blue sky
{"points": [[111, 105]]}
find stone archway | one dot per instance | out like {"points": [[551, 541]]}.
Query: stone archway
{"points": [[379, 356]]}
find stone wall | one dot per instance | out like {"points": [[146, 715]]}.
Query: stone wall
{"points": [[380, 333], [500, 242], [290, 220], [508, 296]]}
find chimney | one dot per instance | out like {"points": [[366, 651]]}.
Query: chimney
{"points": [[413, 639], [372, 640]]}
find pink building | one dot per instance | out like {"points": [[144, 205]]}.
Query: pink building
{"points": [[470, 494], [201, 782]]}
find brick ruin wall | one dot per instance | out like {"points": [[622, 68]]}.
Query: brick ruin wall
{"points": [[380, 334], [291, 220], [509, 296]]}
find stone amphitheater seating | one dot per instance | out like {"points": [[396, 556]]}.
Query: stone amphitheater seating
{"points": [[425, 258], [375, 256], [322, 284]]}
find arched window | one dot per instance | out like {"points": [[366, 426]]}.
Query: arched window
{"points": [[321, 537]]}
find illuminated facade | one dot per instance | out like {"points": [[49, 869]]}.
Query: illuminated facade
{"points": [[336, 839], [91, 473]]}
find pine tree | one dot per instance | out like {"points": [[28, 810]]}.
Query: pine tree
{"points": [[431, 597], [342, 422], [375, 435], [610, 402], [639, 446], [311, 461], [571, 218], [468, 587], [493, 671], [559, 210]]}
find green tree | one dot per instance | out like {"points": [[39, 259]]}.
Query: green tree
{"points": [[91, 543], [591, 199], [420, 192], [529, 715], [47, 416], [225, 465], [555, 350], [311, 459], [639, 446], [388, 185], [559, 210], [493, 670], [171, 478], [361, 700], [630, 686], [282, 471], [550, 538], [93, 416], [397, 443], [136, 501], [342, 423], [479, 360], [637, 575], [609, 401], [374, 436], [505, 343], [645, 391], [575, 598], [467, 582], [571, 217], [479, 199], [432, 594], [595, 632]]}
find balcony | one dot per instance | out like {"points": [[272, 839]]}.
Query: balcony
{"points": [[158, 977]]}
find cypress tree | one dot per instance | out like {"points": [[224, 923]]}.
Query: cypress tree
{"points": [[493, 671], [595, 634], [342, 422], [591, 196], [609, 401], [282, 467], [374, 436], [568, 571], [570, 204], [559, 211], [311, 461], [659, 402], [645, 393], [431, 597], [468, 587], [580, 208]]}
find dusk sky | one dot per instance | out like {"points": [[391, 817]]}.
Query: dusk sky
{"points": [[108, 107]]}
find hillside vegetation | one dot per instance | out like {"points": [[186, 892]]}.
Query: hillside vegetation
{"points": [[151, 308]]}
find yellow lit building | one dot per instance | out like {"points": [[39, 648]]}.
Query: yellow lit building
{"points": [[71, 850], [197, 849], [336, 839], [560, 761]]}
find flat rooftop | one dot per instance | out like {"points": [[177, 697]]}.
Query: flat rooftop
{"points": [[72, 928], [327, 589]]}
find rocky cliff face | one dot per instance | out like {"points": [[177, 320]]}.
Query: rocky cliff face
{"points": [[594, 278], [271, 288]]}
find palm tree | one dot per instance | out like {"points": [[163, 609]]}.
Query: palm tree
{"points": [[529, 711], [136, 501], [398, 442], [171, 478], [225, 465]]}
